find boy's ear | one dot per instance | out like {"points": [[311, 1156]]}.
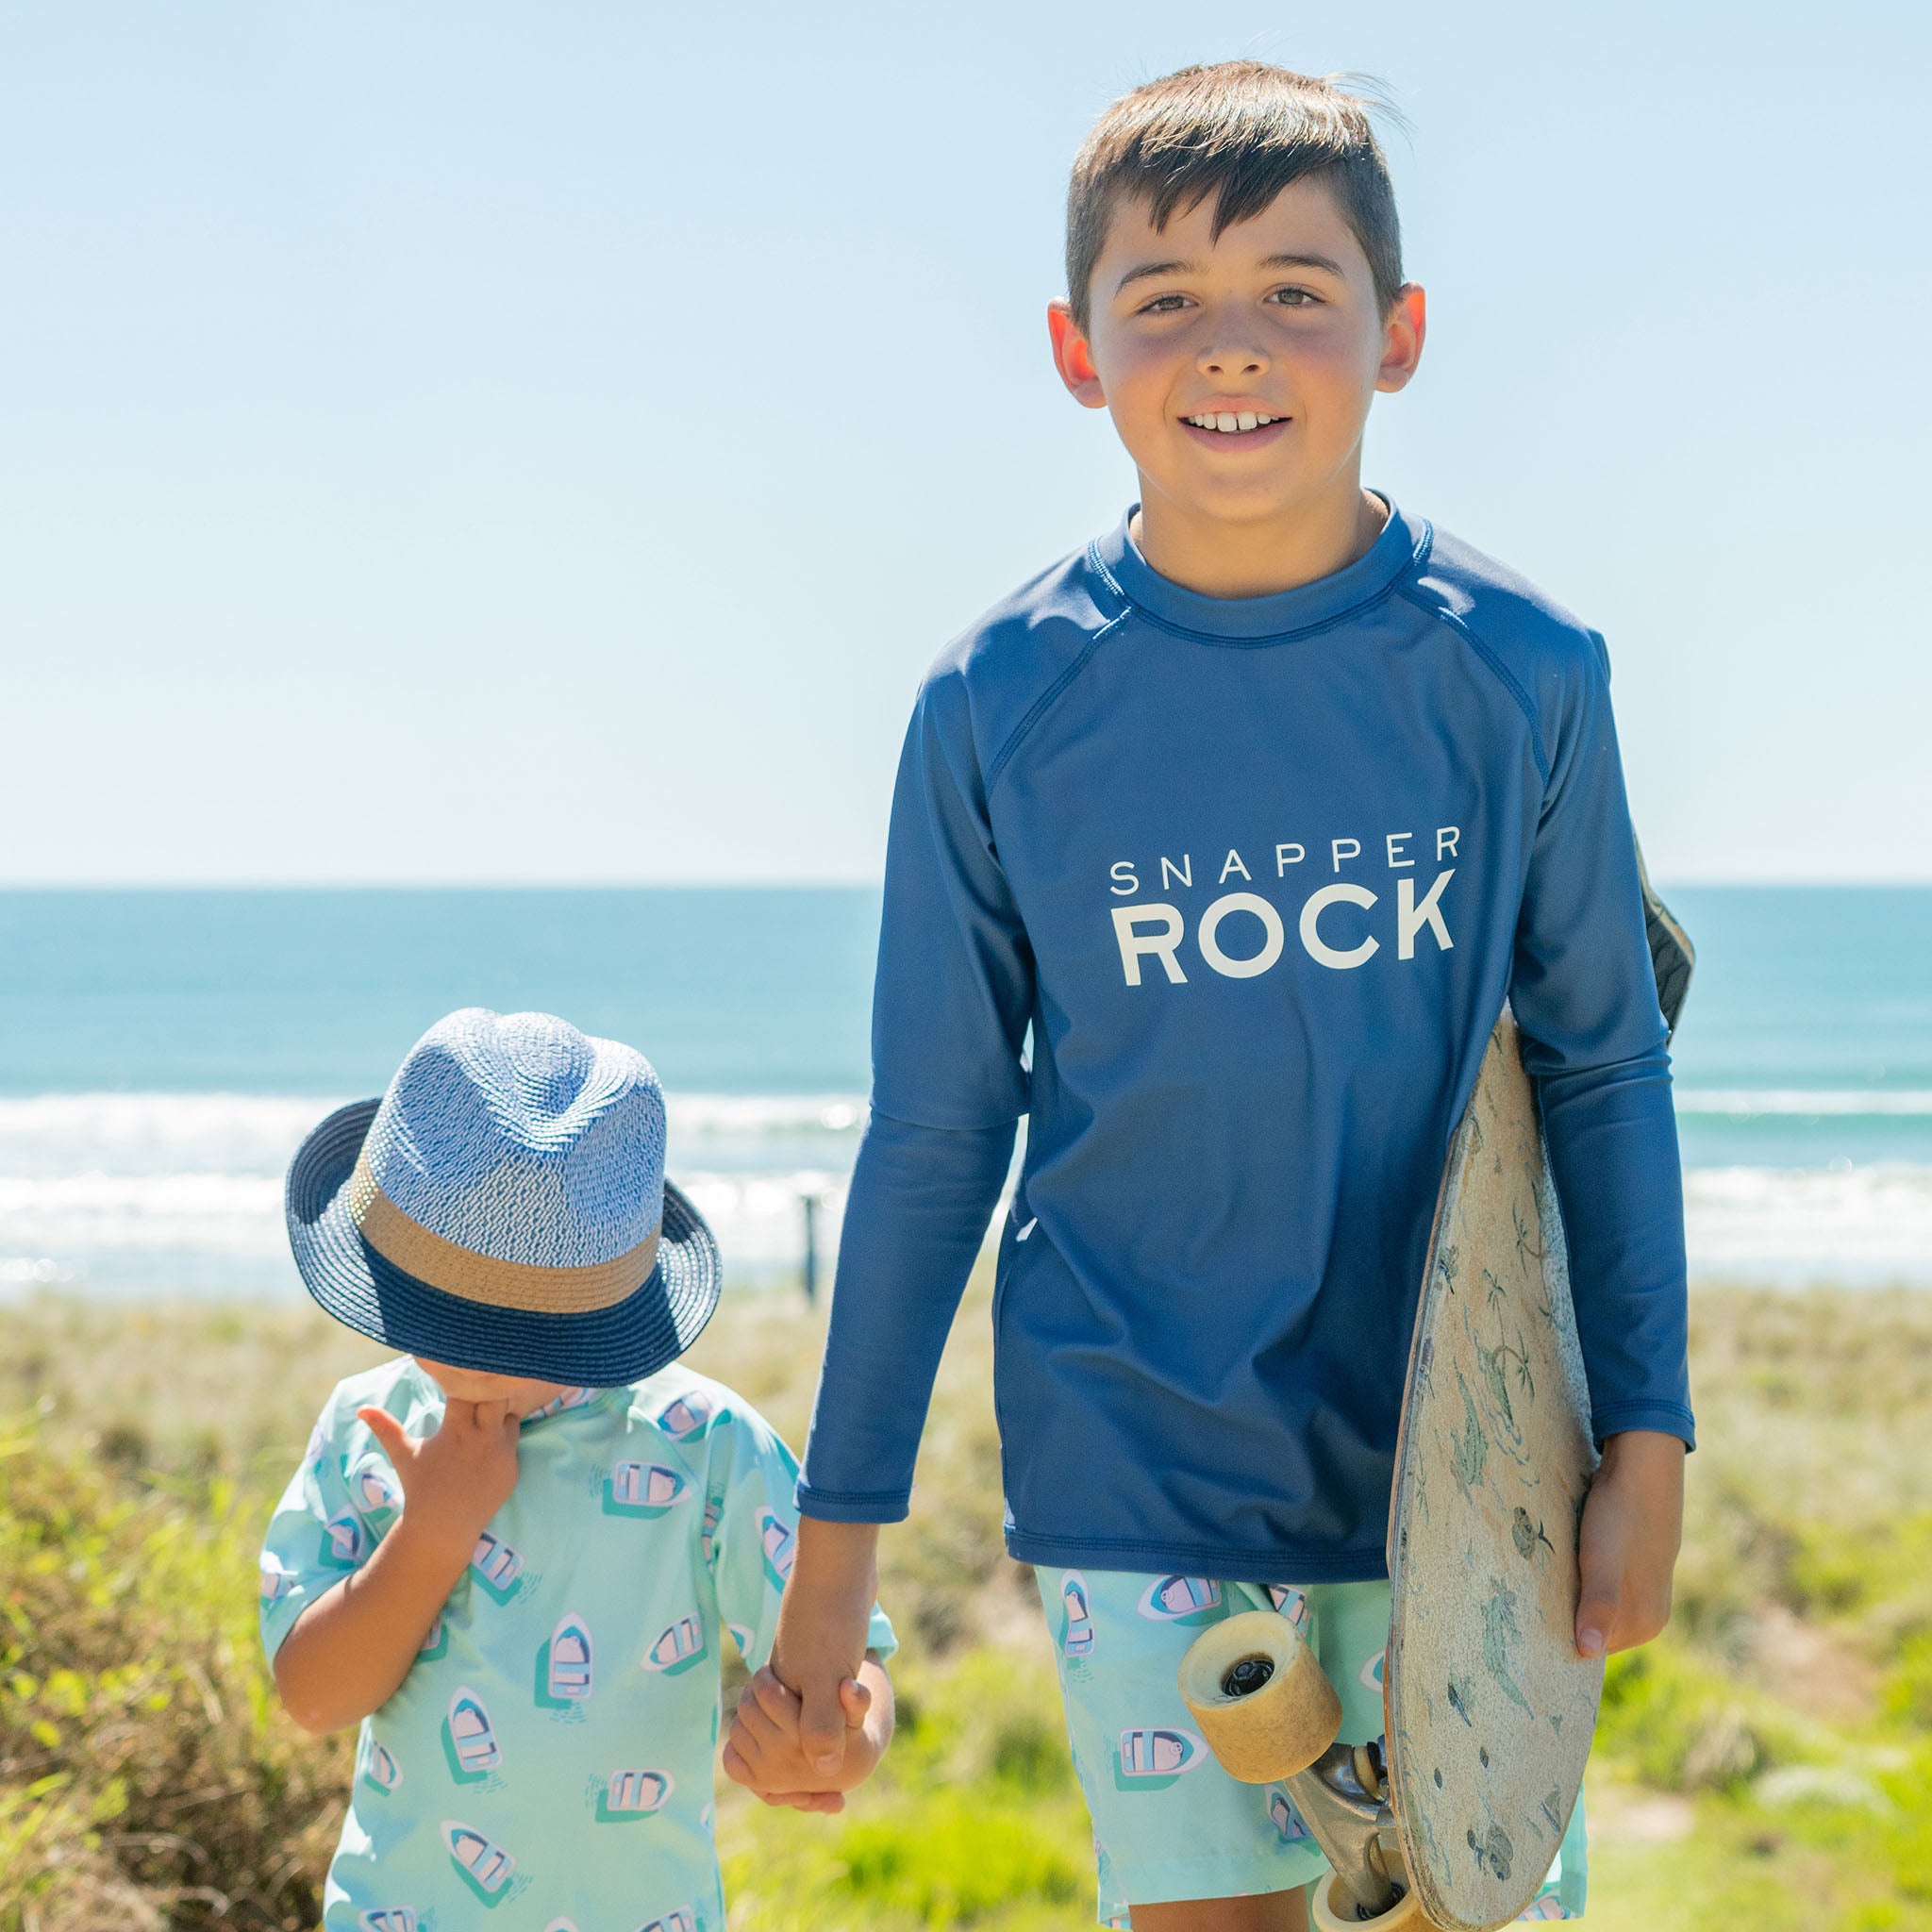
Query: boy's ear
{"points": [[1072, 358], [1402, 337]]}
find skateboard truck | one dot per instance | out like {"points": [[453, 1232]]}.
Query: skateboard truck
{"points": [[1343, 1800], [1269, 1714]]}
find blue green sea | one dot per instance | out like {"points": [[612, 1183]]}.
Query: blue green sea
{"points": [[162, 1052]]}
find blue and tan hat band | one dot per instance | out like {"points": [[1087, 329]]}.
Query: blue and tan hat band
{"points": [[401, 1240]]}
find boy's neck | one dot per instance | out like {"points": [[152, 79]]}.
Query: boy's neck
{"points": [[1220, 558]]}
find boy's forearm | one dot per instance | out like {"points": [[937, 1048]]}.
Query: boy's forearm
{"points": [[837, 1558], [352, 1648], [823, 1621], [827, 1605]]}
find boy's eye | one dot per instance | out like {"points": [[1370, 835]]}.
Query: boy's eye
{"points": [[1163, 305], [1293, 298]]}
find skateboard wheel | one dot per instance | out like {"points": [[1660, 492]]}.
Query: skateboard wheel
{"points": [[1278, 1728], [1331, 1909]]}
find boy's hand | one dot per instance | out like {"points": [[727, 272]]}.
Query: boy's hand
{"points": [[1633, 1522], [823, 1621], [455, 1480], [764, 1751]]}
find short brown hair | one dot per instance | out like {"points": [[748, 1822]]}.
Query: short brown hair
{"points": [[1243, 132]]}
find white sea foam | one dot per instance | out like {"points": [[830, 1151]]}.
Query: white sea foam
{"points": [[165, 1192], [171, 1193], [1860, 1226], [1747, 1103]]}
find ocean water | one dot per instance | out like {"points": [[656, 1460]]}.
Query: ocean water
{"points": [[162, 1053]]}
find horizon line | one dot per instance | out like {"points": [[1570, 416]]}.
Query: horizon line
{"points": [[1668, 882]]}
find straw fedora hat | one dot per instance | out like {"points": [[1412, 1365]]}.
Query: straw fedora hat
{"points": [[504, 1208]]}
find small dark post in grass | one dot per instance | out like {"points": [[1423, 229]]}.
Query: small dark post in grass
{"points": [[810, 1201]]}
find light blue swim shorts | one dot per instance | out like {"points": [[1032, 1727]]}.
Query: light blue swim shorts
{"points": [[1168, 1822]]}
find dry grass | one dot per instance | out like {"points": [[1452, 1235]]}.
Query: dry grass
{"points": [[1768, 1764]]}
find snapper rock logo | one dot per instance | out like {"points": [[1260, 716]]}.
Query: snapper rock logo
{"points": [[1370, 1677], [1547, 1906], [1188, 1600], [679, 1646], [468, 1738], [642, 1489], [1154, 1758], [1336, 924], [708, 1529], [686, 1416], [684, 1918], [485, 1868], [435, 1642], [389, 1918], [629, 1794], [744, 1637], [275, 1581], [1077, 1629]]}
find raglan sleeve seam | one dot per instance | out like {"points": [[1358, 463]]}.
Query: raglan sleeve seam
{"points": [[1492, 659]]}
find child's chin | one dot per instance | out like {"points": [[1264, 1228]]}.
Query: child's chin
{"points": [[478, 1385]]}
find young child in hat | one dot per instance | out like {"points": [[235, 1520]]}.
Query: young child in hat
{"points": [[509, 1555]]}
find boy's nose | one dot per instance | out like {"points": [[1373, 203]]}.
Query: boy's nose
{"points": [[1228, 359]]}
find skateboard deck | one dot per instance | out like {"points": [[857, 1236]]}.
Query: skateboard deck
{"points": [[1490, 1710]]}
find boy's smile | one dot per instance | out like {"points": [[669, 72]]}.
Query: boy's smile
{"points": [[1239, 371]]}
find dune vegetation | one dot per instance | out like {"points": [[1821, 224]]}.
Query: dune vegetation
{"points": [[1768, 1763]]}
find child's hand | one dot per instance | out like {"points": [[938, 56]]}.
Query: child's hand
{"points": [[1633, 1522], [455, 1480], [763, 1751]]}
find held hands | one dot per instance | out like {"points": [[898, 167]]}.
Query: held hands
{"points": [[801, 1736], [455, 1480], [765, 1749], [1633, 1521]]}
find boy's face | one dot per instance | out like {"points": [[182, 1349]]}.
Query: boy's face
{"points": [[1273, 329], [519, 1394]]}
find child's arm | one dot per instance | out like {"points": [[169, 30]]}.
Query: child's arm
{"points": [[352, 1648], [765, 1751], [1632, 1523]]}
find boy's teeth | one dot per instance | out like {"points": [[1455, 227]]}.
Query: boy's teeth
{"points": [[1233, 424]]}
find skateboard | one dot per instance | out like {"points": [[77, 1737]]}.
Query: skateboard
{"points": [[1489, 1711]]}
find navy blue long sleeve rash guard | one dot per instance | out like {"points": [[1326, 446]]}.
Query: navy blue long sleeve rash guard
{"points": [[1259, 874]]}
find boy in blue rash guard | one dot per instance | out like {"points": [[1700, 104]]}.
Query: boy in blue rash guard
{"points": [[1252, 813]]}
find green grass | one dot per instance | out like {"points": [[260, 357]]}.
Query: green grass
{"points": [[1768, 1764]]}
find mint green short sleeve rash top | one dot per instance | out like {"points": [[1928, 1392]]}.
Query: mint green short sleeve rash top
{"points": [[552, 1746]]}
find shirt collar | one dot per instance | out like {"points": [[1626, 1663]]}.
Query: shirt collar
{"points": [[1403, 543]]}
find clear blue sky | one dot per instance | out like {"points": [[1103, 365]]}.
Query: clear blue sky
{"points": [[548, 443]]}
